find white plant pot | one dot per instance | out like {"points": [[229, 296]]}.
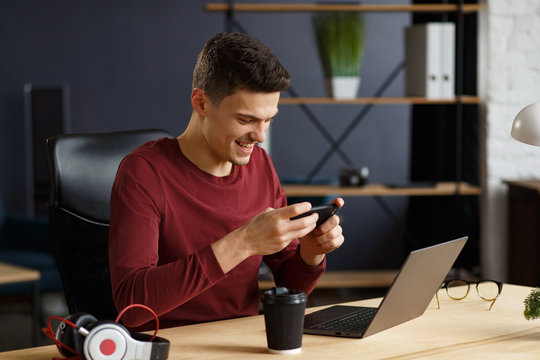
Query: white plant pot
{"points": [[343, 87]]}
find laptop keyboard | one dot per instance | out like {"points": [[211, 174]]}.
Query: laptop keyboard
{"points": [[355, 322]]}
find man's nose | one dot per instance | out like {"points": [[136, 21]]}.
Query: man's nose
{"points": [[259, 131]]}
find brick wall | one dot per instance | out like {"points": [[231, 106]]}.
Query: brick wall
{"points": [[509, 70]]}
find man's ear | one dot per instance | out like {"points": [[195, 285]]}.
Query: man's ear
{"points": [[199, 101]]}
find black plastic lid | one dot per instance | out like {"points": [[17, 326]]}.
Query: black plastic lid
{"points": [[282, 295]]}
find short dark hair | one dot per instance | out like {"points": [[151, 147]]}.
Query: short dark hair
{"points": [[232, 61]]}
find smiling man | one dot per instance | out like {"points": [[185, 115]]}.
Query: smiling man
{"points": [[192, 218]]}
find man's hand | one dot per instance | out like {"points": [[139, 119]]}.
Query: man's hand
{"points": [[267, 233], [324, 239], [272, 230]]}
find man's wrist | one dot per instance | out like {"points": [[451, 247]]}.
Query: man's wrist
{"points": [[311, 259], [231, 250]]}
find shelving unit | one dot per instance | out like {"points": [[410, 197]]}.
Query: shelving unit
{"points": [[445, 192], [457, 188]]}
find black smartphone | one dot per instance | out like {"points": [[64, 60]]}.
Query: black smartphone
{"points": [[324, 211]]}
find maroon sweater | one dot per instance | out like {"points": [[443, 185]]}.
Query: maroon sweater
{"points": [[166, 213]]}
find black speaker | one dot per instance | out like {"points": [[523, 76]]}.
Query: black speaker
{"points": [[47, 112]]}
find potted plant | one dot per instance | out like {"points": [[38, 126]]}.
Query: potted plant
{"points": [[340, 41], [532, 305]]}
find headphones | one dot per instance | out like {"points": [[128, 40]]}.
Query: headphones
{"points": [[83, 334]]}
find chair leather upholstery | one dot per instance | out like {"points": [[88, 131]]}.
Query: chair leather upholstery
{"points": [[82, 168]]}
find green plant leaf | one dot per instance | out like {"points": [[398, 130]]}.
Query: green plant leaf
{"points": [[340, 42], [532, 305]]}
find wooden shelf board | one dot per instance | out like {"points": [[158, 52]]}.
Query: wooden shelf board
{"points": [[335, 279], [440, 189], [249, 7], [378, 100]]}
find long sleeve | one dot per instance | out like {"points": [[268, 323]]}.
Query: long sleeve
{"points": [[291, 271], [134, 249], [288, 267]]}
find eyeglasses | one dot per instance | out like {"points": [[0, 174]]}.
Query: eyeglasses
{"points": [[458, 289]]}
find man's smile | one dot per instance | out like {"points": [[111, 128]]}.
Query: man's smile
{"points": [[245, 145]]}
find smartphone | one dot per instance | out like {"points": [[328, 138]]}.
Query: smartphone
{"points": [[324, 211]]}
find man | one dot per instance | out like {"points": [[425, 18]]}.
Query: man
{"points": [[193, 217]]}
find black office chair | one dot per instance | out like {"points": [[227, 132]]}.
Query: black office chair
{"points": [[82, 169]]}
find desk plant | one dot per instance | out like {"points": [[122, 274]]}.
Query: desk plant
{"points": [[340, 42], [532, 305]]}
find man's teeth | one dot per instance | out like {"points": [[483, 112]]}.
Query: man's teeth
{"points": [[245, 145]]}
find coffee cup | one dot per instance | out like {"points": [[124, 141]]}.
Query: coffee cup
{"points": [[284, 319]]}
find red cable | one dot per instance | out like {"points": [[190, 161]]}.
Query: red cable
{"points": [[51, 335], [144, 307]]}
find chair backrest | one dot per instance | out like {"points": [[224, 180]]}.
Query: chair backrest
{"points": [[82, 168]]}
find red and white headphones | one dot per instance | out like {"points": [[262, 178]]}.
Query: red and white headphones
{"points": [[83, 335]]}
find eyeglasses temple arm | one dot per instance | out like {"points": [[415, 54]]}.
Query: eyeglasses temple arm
{"points": [[490, 306]]}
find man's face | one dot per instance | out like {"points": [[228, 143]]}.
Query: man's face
{"points": [[241, 120]]}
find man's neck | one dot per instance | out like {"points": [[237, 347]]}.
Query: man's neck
{"points": [[195, 149]]}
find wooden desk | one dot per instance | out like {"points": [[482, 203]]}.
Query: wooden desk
{"points": [[12, 274], [459, 330]]}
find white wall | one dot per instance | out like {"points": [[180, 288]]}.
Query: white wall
{"points": [[509, 80]]}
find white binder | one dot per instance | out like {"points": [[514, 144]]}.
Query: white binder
{"points": [[448, 60], [430, 58]]}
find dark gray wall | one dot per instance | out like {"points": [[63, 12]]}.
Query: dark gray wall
{"points": [[128, 65]]}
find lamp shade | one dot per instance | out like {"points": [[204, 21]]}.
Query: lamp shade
{"points": [[526, 126]]}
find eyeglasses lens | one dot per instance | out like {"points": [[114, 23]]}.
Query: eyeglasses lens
{"points": [[488, 290], [457, 289]]}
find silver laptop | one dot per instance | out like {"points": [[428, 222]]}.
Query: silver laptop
{"points": [[411, 292]]}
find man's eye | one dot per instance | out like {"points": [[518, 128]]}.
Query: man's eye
{"points": [[245, 121]]}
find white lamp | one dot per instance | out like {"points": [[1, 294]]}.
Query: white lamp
{"points": [[526, 126]]}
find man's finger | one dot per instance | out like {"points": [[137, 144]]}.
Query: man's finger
{"points": [[294, 210], [303, 222], [338, 201]]}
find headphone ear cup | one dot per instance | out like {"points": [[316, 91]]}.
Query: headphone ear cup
{"points": [[109, 340], [70, 336]]}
